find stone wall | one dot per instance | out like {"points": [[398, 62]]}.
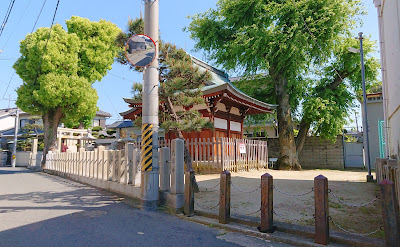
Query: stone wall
{"points": [[317, 153]]}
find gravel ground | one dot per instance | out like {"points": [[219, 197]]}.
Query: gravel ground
{"points": [[294, 198]]}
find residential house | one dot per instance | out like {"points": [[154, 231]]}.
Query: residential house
{"points": [[375, 127], [389, 32], [7, 123]]}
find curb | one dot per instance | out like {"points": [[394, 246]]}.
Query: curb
{"points": [[306, 232], [280, 237]]}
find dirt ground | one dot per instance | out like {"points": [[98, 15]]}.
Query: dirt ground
{"points": [[294, 198]]}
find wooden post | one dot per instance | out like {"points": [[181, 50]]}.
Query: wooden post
{"points": [[225, 197], [235, 154], [188, 207], [321, 210], [267, 223], [390, 213]]}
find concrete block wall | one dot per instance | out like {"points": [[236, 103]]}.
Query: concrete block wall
{"points": [[317, 153]]}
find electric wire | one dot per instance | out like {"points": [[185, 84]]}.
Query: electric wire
{"points": [[110, 101], [33, 28], [47, 41], [19, 20], [3, 25]]}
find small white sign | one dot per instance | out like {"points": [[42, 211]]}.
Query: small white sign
{"points": [[242, 148]]}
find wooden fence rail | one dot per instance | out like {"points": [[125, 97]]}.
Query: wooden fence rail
{"points": [[213, 155]]}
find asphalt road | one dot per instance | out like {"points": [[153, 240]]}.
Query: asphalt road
{"points": [[37, 209], [142, 58]]}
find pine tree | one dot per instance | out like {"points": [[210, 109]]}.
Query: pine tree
{"points": [[180, 88]]}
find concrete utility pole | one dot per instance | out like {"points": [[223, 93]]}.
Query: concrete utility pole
{"points": [[14, 151], [150, 104], [365, 115]]}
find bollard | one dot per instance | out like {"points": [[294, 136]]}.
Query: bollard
{"points": [[225, 197], [188, 207], [267, 222], [390, 213], [321, 210]]}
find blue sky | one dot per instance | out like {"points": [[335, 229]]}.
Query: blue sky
{"points": [[117, 83]]}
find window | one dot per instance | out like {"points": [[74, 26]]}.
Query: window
{"points": [[24, 122]]}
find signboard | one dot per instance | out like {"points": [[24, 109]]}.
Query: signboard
{"points": [[242, 148], [140, 50]]}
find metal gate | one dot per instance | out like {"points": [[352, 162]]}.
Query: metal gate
{"points": [[382, 139], [353, 155]]}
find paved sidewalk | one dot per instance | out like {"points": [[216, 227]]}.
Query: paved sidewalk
{"points": [[37, 209]]}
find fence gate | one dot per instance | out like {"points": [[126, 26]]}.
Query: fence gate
{"points": [[382, 139], [353, 155]]}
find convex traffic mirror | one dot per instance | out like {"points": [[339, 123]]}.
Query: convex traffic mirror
{"points": [[140, 50]]}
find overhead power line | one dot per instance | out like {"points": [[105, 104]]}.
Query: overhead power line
{"points": [[3, 25], [15, 27], [33, 28], [47, 41]]}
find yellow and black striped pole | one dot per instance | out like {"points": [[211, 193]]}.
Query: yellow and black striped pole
{"points": [[147, 147], [150, 103]]}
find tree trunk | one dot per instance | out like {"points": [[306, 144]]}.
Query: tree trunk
{"points": [[51, 120], [288, 158], [301, 137]]}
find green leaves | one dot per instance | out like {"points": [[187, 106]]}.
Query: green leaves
{"points": [[58, 73]]}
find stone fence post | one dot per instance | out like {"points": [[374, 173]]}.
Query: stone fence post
{"points": [[175, 198]]}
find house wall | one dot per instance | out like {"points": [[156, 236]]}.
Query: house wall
{"points": [[7, 122], [269, 131], [316, 153], [99, 121], [389, 25], [375, 113]]}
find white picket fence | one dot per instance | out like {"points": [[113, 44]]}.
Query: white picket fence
{"points": [[209, 155], [107, 165]]}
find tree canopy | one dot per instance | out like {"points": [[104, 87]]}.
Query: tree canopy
{"points": [[58, 68], [285, 40]]}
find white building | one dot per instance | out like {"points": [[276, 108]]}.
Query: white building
{"points": [[389, 35]]}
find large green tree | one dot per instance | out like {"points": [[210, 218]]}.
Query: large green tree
{"points": [[329, 99], [283, 38], [58, 68]]}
